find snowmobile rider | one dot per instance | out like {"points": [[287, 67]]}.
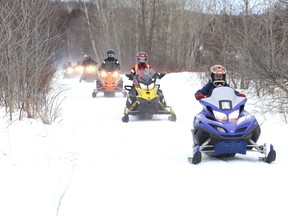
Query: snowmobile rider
{"points": [[87, 60], [67, 65], [218, 79], [110, 63], [138, 69]]}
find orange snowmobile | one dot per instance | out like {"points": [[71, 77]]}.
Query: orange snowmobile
{"points": [[109, 82]]}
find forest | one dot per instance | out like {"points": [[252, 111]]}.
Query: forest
{"points": [[248, 37]]}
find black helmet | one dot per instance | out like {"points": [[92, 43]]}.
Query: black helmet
{"points": [[110, 53]]}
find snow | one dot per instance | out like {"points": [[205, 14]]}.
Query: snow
{"points": [[91, 163]]}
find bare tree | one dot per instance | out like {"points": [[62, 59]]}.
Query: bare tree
{"points": [[30, 40]]}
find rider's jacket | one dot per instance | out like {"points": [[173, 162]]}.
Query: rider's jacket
{"points": [[110, 64], [88, 61], [138, 69], [208, 88]]}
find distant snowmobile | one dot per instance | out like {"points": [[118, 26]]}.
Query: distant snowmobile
{"points": [[89, 74], [79, 69], [69, 73]]}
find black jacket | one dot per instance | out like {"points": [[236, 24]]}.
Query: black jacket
{"points": [[110, 64]]}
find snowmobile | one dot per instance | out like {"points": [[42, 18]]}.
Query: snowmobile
{"points": [[69, 73], [224, 128], [89, 74], [147, 101], [79, 68], [109, 82]]}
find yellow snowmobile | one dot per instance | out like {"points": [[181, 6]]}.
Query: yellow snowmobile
{"points": [[147, 101]]}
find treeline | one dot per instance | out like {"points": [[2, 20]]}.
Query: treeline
{"points": [[30, 40], [249, 39]]}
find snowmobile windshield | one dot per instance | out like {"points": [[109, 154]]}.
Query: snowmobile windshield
{"points": [[110, 66], [224, 104], [224, 98], [146, 78]]}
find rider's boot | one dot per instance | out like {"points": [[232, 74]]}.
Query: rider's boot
{"points": [[98, 85]]}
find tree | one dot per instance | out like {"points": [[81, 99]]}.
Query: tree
{"points": [[30, 40]]}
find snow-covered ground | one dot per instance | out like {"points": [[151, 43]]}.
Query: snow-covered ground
{"points": [[91, 163]]}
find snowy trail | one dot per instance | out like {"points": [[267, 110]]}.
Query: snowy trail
{"points": [[115, 168], [132, 169], [91, 163]]}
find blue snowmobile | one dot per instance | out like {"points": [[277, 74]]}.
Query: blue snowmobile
{"points": [[224, 128]]}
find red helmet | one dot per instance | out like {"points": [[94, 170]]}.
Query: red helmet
{"points": [[142, 57]]}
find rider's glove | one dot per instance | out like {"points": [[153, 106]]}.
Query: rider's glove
{"points": [[241, 95], [130, 77], [156, 76], [199, 96]]}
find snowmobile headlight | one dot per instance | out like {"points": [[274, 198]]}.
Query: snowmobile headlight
{"points": [[233, 116], [147, 87], [115, 74], [151, 86], [103, 73], [70, 70], [90, 69], [79, 68], [220, 116], [143, 86]]}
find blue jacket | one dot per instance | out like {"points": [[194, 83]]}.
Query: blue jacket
{"points": [[208, 88]]}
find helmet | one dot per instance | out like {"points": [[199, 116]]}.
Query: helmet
{"points": [[142, 57], [110, 53], [85, 56], [218, 75]]}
